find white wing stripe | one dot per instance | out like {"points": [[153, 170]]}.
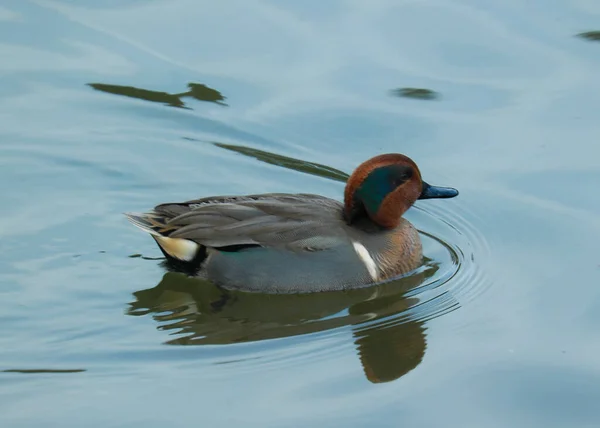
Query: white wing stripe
{"points": [[366, 258]]}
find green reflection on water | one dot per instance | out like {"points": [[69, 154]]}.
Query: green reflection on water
{"points": [[195, 90]]}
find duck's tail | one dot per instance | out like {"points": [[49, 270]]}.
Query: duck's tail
{"points": [[156, 225], [152, 223]]}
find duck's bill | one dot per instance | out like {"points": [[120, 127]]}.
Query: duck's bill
{"points": [[431, 192]]}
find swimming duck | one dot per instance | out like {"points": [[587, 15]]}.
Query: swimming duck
{"points": [[299, 243]]}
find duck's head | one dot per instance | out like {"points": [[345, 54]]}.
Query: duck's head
{"points": [[384, 187]]}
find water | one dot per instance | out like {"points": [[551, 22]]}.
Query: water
{"points": [[116, 106]]}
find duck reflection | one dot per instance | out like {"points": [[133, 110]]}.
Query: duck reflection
{"points": [[198, 91], [197, 312]]}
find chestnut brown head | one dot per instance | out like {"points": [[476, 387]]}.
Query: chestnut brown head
{"points": [[384, 187]]}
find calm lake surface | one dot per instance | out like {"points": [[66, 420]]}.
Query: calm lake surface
{"points": [[113, 106]]}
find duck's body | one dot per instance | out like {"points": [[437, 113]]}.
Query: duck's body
{"points": [[299, 243]]}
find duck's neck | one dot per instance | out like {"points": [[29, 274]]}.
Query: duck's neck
{"points": [[358, 218]]}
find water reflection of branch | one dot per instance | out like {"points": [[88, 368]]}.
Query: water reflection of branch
{"points": [[196, 90], [199, 313], [307, 167]]}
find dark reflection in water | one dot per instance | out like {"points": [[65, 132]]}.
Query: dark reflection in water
{"points": [[289, 163], [196, 312], [195, 90], [416, 93], [141, 256], [590, 35]]}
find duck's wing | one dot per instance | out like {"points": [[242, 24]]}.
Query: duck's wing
{"points": [[297, 222]]}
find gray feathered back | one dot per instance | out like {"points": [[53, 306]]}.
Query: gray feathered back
{"points": [[301, 222]]}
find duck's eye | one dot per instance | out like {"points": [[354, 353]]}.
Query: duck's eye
{"points": [[401, 179]]}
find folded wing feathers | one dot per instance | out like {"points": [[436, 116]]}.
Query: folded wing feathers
{"points": [[286, 220]]}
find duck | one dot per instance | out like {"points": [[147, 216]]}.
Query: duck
{"points": [[299, 243]]}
